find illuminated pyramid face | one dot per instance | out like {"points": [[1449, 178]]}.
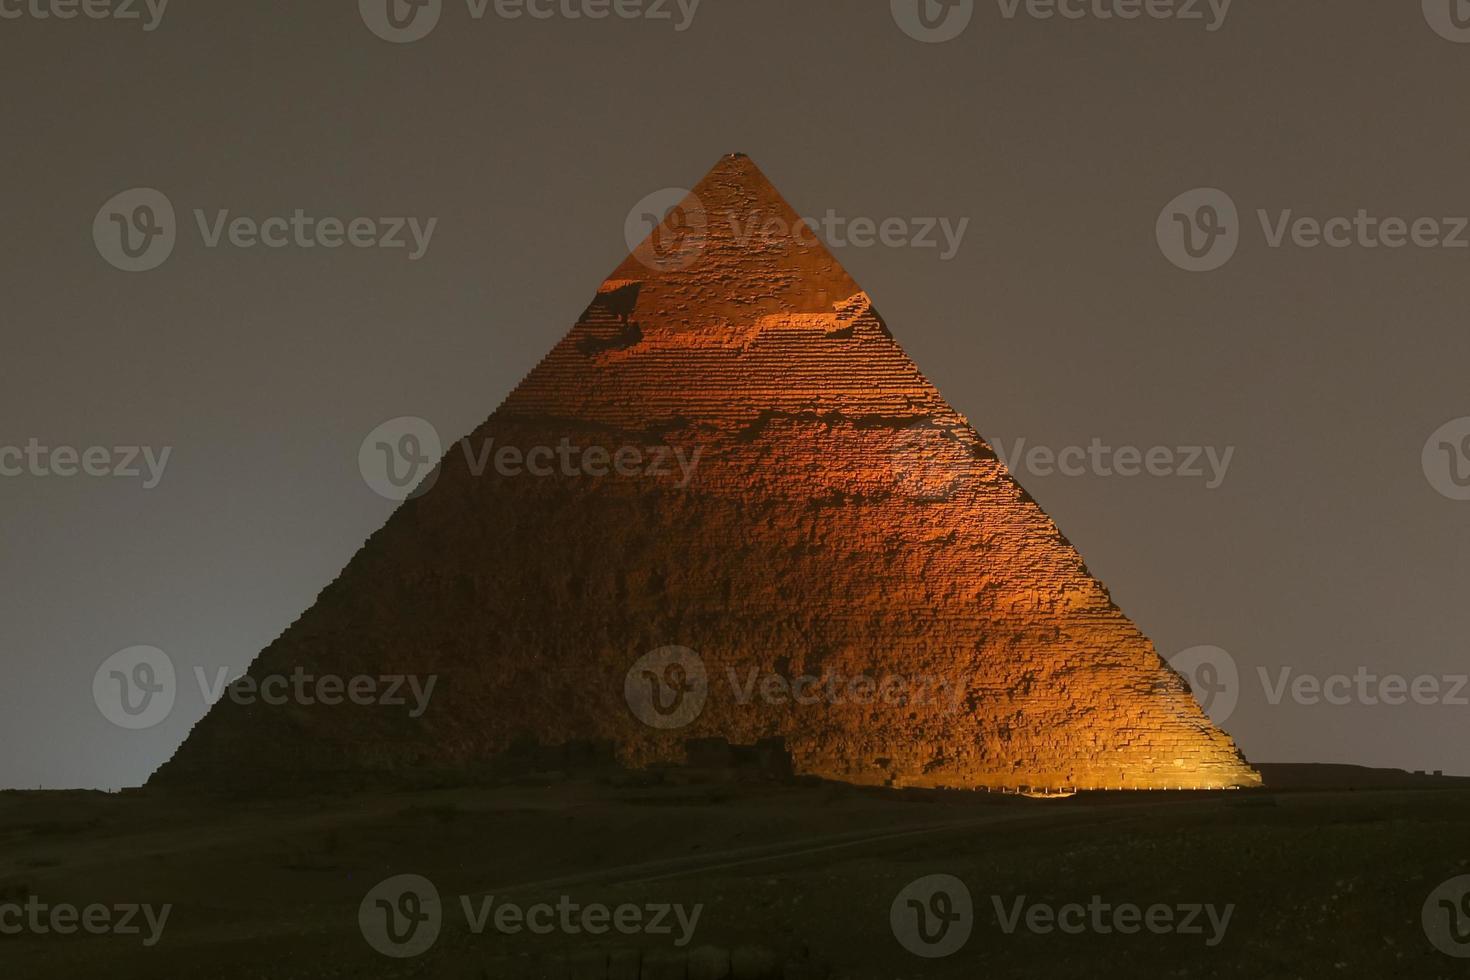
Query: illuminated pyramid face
{"points": [[734, 510]]}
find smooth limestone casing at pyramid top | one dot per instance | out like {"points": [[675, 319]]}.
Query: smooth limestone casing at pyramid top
{"points": [[843, 521]]}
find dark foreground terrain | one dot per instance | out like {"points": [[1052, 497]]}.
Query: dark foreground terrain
{"points": [[790, 880]]}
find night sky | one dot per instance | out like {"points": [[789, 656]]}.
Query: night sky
{"points": [[1326, 546]]}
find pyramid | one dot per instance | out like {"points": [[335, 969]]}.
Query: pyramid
{"points": [[847, 567]]}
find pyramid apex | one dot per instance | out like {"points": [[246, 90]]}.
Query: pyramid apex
{"points": [[732, 225], [740, 163]]}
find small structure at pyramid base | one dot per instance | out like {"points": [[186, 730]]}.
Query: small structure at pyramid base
{"points": [[751, 518]]}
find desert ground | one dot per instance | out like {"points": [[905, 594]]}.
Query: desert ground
{"points": [[792, 879]]}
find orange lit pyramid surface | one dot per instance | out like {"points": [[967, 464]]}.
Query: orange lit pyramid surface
{"points": [[850, 568]]}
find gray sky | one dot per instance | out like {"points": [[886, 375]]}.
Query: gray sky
{"points": [[1059, 320]]}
